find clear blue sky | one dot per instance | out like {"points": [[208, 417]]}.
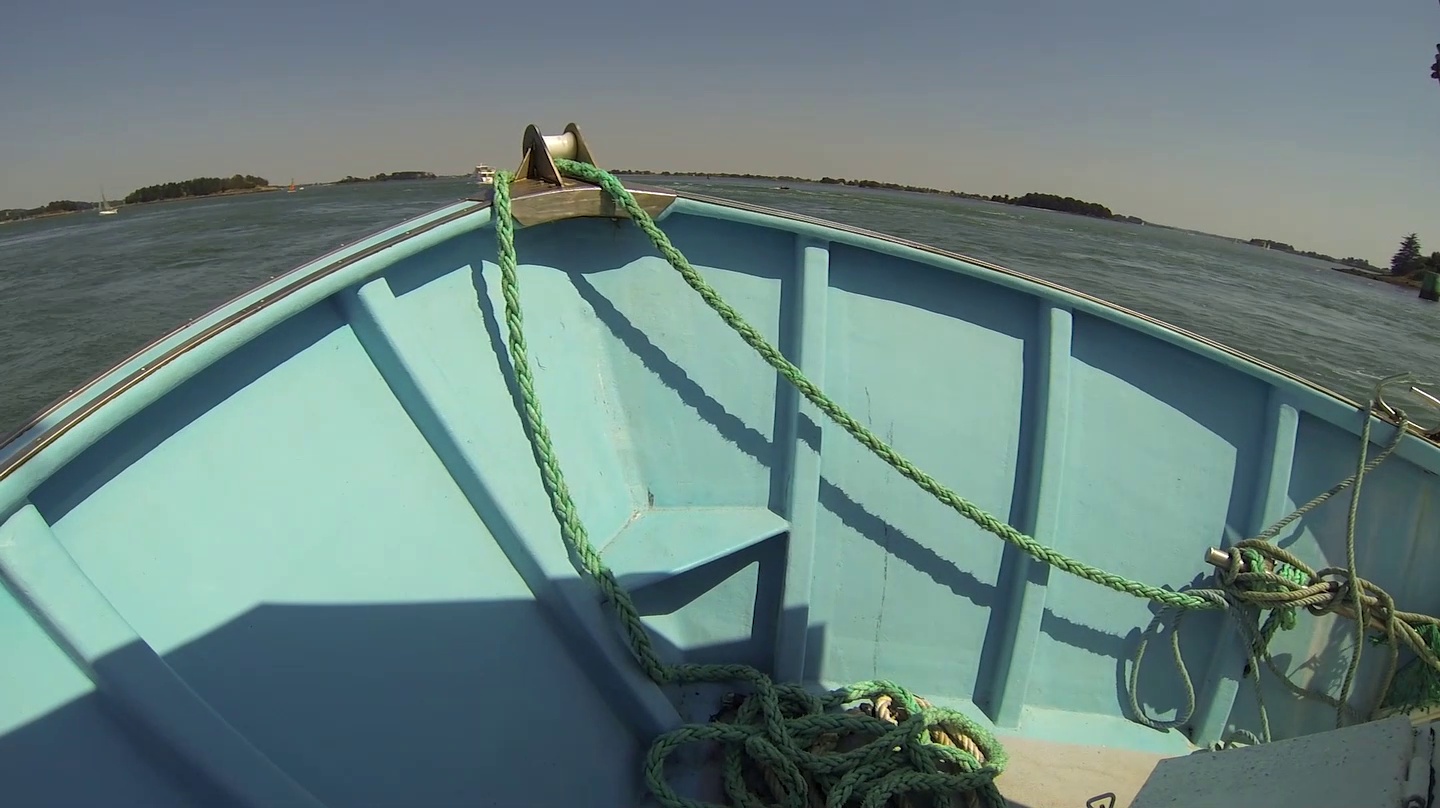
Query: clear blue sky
{"points": [[1308, 121]]}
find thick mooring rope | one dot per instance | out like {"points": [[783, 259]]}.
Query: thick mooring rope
{"points": [[780, 727], [784, 746], [857, 430]]}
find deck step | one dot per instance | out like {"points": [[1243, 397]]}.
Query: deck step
{"points": [[1382, 764], [660, 543]]}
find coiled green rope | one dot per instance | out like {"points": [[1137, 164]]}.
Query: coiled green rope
{"points": [[781, 729]]}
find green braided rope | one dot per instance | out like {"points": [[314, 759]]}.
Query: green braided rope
{"points": [[1288, 586], [786, 368], [1282, 618], [777, 726]]}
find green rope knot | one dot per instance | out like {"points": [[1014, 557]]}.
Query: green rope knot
{"points": [[1250, 574], [1282, 618]]}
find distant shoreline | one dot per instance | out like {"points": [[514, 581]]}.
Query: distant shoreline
{"points": [[1033, 199], [234, 192], [1393, 280], [1037, 201], [93, 207], [1378, 274], [95, 210], [47, 216], [400, 176]]}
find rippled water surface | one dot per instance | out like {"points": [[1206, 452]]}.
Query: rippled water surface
{"points": [[78, 293]]}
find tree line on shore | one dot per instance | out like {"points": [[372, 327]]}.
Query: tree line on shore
{"points": [[196, 187], [1349, 261], [1063, 204], [199, 186], [1409, 262], [58, 206], [383, 177]]}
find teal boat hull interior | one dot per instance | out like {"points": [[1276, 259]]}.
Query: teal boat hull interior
{"points": [[298, 552]]}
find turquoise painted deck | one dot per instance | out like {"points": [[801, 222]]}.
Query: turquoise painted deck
{"points": [[308, 560]]}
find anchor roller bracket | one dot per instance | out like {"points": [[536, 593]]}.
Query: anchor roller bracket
{"points": [[540, 152]]}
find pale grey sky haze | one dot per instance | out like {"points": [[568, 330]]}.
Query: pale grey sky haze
{"points": [[1308, 121]]}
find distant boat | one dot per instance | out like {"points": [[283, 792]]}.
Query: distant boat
{"points": [[106, 209], [316, 547], [292, 188], [484, 175]]}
